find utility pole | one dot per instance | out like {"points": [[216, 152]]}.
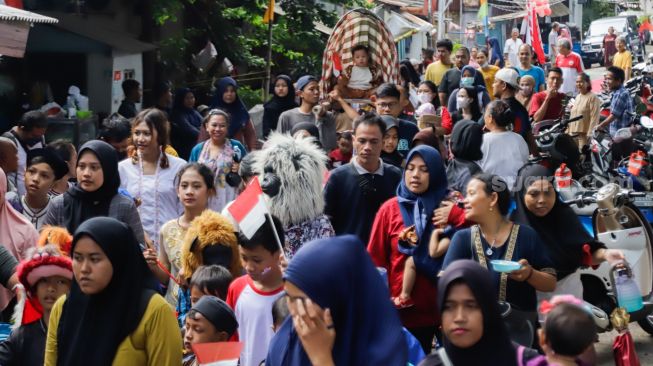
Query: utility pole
{"points": [[430, 14], [441, 9]]}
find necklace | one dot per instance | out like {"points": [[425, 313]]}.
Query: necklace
{"points": [[492, 245], [156, 194]]}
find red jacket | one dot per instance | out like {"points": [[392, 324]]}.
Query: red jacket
{"points": [[382, 247]]}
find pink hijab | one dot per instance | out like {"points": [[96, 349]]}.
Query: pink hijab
{"points": [[564, 33], [17, 234]]}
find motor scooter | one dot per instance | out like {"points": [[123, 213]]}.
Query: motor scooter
{"points": [[619, 224]]}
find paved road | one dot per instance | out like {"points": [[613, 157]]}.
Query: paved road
{"points": [[643, 341]]}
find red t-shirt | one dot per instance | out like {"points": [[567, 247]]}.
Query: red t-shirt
{"points": [[382, 247], [337, 158], [554, 109]]}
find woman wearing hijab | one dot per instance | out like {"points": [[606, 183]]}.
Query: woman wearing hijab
{"points": [[356, 323], [113, 315], [496, 58], [466, 297], [185, 122], [240, 127], [283, 99], [17, 234], [96, 193], [571, 248], [465, 145], [412, 211], [477, 92]]}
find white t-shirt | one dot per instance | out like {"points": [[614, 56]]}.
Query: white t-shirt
{"points": [[361, 78], [504, 153], [253, 310], [512, 49], [157, 192]]}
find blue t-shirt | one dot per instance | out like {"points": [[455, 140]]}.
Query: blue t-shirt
{"points": [[537, 73], [528, 246], [239, 150]]}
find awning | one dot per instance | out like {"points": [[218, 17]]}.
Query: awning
{"points": [[100, 32], [10, 14], [557, 10], [15, 25]]}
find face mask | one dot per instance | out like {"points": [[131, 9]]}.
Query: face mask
{"points": [[463, 102], [527, 90], [467, 81], [425, 98]]}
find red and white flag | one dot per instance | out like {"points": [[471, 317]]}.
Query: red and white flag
{"points": [[534, 35], [337, 64], [249, 209], [217, 354]]}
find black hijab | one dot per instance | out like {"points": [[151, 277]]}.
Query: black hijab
{"points": [[466, 141], [560, 229], [282, 104], [92, 327], [494, 347], [80, 205]]}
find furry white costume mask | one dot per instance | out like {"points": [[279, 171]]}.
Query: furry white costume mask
{"points": [[299, 165]]}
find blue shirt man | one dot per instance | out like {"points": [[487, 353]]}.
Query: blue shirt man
{"points": [[621, 104]]}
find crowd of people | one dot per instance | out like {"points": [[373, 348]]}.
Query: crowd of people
{"points": [[383, 221]]}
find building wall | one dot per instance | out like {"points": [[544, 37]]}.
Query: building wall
{"points": [[125, 64], [99, 67]]}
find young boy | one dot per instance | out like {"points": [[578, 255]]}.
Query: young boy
{"points": [[45, 277], [359, 80], [253, 295], [44, 168], [341, 155], [567, 333], [308, 90], [213, 280], [209, 320]]}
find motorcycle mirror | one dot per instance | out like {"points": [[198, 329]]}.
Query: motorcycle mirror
{"points": [[623, 134], [647, 122]]}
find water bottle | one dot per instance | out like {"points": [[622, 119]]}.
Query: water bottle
{"points": [[628, 295]]}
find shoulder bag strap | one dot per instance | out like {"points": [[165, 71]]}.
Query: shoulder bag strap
{"points": [[478, 247], [503, 284]]}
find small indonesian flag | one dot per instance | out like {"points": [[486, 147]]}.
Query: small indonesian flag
{"points": [[249, 209], [217, 354], [337, 64]]}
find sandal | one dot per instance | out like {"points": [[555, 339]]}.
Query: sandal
{"points": [[401, 302]]}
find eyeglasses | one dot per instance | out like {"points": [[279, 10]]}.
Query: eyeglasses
{"points": [[390, 105]]}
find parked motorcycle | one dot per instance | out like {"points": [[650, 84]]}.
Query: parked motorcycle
{"points": [[619, 224], [556, 146]]}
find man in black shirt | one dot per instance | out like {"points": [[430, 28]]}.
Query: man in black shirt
{"points": [[132, 90], [355, 191]]}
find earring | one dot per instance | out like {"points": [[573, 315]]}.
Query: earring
{"points": [[491, 209]]}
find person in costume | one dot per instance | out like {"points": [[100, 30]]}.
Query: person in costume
{"points": [[96, 193], [210, 239], [113, 314], [356, 324], [292, 173], [44, 169], [58, 236], [44, 277]]}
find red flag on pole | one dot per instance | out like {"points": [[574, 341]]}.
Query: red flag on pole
{"points": [[14, 3], [536, 40]]}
